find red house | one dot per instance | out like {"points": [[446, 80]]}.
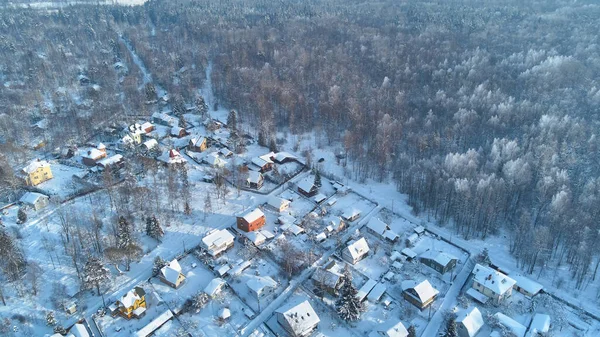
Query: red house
{"points": [[251, 221]]}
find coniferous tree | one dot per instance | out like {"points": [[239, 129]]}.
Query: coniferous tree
{"points": [[318, 178], [95, 274], [158, 264], [272, 145], [123, 233], [412, 332], [153, 228], [50, 319], [201, 107], [232, 122], [451, 328], [21, 216], [484, 257], [207, 204], [348, 306]]}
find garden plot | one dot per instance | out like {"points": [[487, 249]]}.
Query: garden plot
{"points": [[299, 205], [260, 284], [347, 203], [397, 223]]}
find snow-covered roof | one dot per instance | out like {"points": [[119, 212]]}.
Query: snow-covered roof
{"points": [[93, 154], [78, 330], [225, 151], [419, 229], [376, 293], [267, 157], [352, 213], [198, 140], [254, 177], [319, 197], [390, 235], [34, 165], [238, 269], [412, 238], [492, 279], [327, 277], [307, 184], [286, 219], [147, 125], [390, 329], [527, 284], [127, 139], [539, 324], [409, 252], [31, 198], [366, 289], [224, 313], [130, 297], [176, 130], [217, 238], [321, 236], [171, 271], [479, 297], [260, 162], [222, 270], [256, 237], [515, 327], [377, 226], [358, 248], [471, 319], [214, 160], [214, 286], [425, 291], [301, 317], [441, 258], [111, 160], [155, 324], [150, 144], [258, 283], [277, 203], [281, 156], [267, 234], [331, 201], [295, 229], [253, 215]]}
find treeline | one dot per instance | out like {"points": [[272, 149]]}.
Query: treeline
{"points": [[483, 112]]}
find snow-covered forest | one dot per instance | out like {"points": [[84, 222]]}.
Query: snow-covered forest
{"points": [[484, 113]]}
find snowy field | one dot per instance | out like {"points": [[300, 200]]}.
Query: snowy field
{"points": [[62, 184]]}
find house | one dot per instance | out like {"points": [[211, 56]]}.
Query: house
{"points": [[278, 204], [420, 294], [375, 294], [299, 319], [36, 172], [214, 160], [225, 152], [365, 289], [469, 322], [198, 144], [135, 132], [92, 156], [214, 287], [261, 286], [540, 324], [113, 162], [510, 324], [351, 215], [334, 224], [409, 253], [34, 200], [491, 283], [251, 221], [163, 119], [150, 144], [171, 274], [132, 304], [256, 237], [319, 198], [255, 180], [172, 157], [178, 132], [356, 251], [439, 261], [526, 286], [307, 187], [224, 314], [264, 162], [393, 329], [328, 279], [217, 241], [147, 127], [419, 230], [412, 240], [155, 324], [381, 229], [283, 157], [78, 330]]}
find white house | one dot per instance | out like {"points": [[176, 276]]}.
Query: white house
{"points": [[390, 329], [214, 287], [356, 251], [299, 319], [261, 286], [217, 241], [34, 200], [420, 294], [492, 283], [469, 322]]}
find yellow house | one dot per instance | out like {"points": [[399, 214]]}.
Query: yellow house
{"points": [[132, 304], [37, 172]]}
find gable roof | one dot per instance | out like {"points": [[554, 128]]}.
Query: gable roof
{"points": [[198, 140], [527, 284], [253, 215], [492, 279], [277, 202], [425, 291], [391, 329], [130, 297], [307, 184], [377, 226], [540, 323], [150, 144], [327, 277], [300, 316], [258, 283], [441, 258], [217, 238], [472, 320], [214, 160], [93, 154], [351, 213], [214, 286], [78, 330], [31, 198], [358, 248], [281, 156], [111, 160], [254, 177], [171, 271], [515, 327], [35, 165]]}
